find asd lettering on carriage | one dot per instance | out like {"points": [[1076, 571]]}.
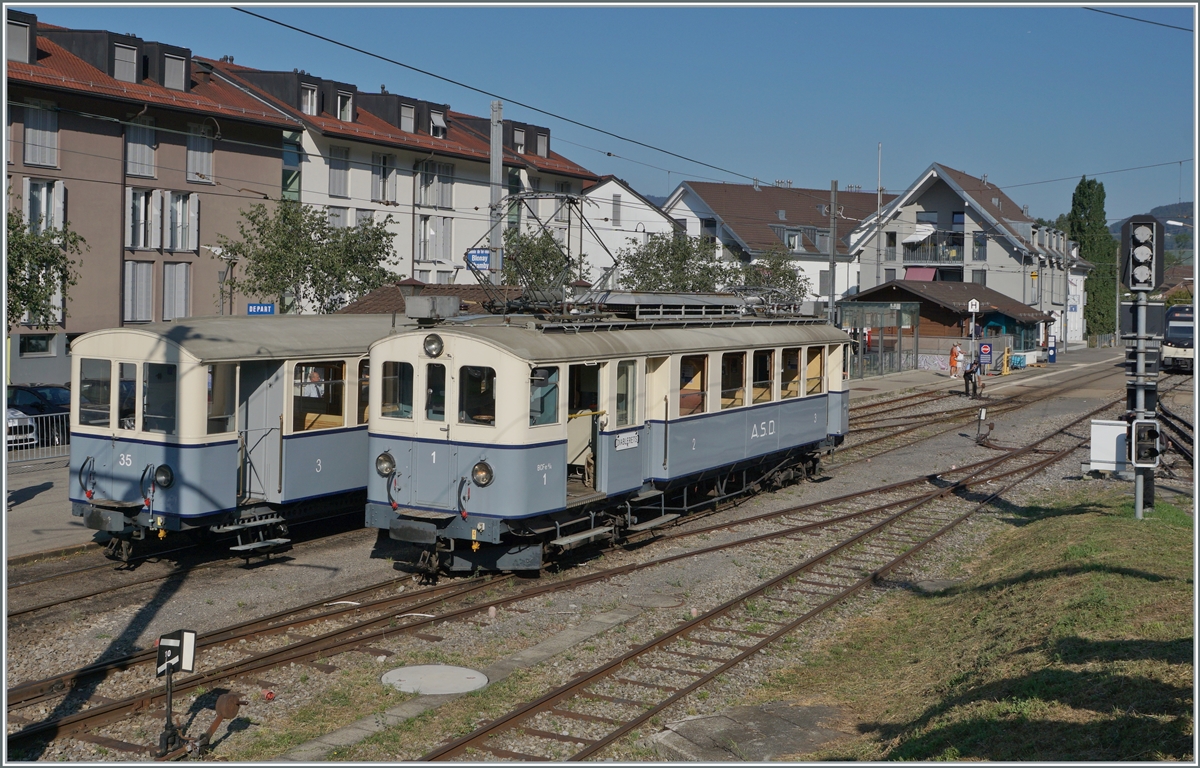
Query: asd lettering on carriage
{"points": [[762, 429]]}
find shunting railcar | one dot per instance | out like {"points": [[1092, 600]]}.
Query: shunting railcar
{"points": [[234, 425], [496, 444], [1179, 338]]}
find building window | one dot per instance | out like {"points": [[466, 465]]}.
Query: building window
{"points": [[43, 204], [173, 74], [345, 107], [41, 134], [383, 178], [616, 212], [338, 217], [182, 219], [176, 290], [519, 141], [979, 276], [445, 277], [142, 220], [37, 344], [139, 291], [423, 275], [363, 217], [927, 217], [408, 118], [17, 42], [125, 63], [339, 172], [437, 185], [958, 220], [562, 210], [436, 239], [139, 147], [437, 125], [543, 144], [308, 99], [290, 188], [889, 275], [823, 283], [199, 154]]}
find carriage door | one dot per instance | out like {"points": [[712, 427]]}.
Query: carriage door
{"points": [[433, 463], [583, 410], [260, 412]]}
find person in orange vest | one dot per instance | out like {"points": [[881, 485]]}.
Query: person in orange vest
{"points": [[955, 356]]}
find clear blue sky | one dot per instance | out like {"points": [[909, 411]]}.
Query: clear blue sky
{"points": [[1023, 94]]}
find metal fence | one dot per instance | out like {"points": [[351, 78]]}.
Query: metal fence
{"points": [[33, 438], [1102, 340]]}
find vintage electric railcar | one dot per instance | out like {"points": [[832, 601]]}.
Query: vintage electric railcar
{"points": [[494, 442], [229, 424]]}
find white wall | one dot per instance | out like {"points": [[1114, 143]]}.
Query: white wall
{"points": [[638, 221]]}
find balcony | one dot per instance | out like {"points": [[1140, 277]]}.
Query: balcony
{"points": [[933, 253], [889, 253]]}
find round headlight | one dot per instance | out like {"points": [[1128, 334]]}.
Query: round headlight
{"points": [[481, 473], [433, 345], [163, 476], [385, 464]]}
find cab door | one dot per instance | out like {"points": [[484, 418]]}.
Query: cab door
{"points": [[260, 412], [434, 458]]}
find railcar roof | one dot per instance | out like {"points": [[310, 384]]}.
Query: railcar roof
{"points": [[277, 337], [583, 342]]}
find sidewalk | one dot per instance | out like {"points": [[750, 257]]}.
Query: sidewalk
{"points": [[38, 519]]}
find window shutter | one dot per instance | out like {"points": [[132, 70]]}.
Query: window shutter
{"points": [[183, 296], [168, 312], [128, 219], [447, 240], [128, 310], [616, 211], [377, 177], [145, 290], [60, 204], [391, 179], [156, 224], [26, 193], [193, 224], [447, 186]]}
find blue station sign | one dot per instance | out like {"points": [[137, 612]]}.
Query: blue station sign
{"points": [[480, 258], [260, 309]]}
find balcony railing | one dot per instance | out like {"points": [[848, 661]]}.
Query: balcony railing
{"points": [[927, 253], [889, 253]]}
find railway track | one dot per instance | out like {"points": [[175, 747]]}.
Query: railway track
{"points": [[1180, 433]]}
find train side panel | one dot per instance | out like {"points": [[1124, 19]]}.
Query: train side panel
{"points": [[323, 463], [619, 460]]}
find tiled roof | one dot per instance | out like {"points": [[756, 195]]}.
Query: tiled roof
{"points": [[389, 299], [58, 68], [982, 193], [752, 213], [555, 163], [955, 297]]}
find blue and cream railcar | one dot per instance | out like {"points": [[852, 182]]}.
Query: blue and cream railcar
{"points": [[234, 424], [489, 440]]}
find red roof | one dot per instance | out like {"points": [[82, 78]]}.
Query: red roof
{"points": [[60, 69]]}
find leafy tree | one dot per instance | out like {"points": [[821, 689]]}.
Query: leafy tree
{"points": [[1183, 241], [291, 250], [39, 266], [774, 269], [1086, 225], [669, 262], [542, 257]]}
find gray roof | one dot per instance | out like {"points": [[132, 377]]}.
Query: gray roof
{"points": [[276, 337], [584, 342]]}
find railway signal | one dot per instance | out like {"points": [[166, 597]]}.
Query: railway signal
{"points": [[1145, 445], [1142, 251], [176, 653]]}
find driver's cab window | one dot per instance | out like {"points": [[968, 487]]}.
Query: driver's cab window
{"points": [[127, 396], [317, 395]]}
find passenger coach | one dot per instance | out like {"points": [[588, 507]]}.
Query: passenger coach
{"points": [[490, 440], [230, 424]]}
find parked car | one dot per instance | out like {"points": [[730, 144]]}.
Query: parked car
{"points": [[48, 401], [22, 432]]}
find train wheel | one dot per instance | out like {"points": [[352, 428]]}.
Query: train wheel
{"points": [[427, 567], [119, 549]]}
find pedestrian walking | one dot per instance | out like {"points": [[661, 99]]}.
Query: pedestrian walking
{"points": [[955, 358]]}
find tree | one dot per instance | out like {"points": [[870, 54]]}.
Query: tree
{"points": [[543, 259], [669, 262], [775, 269], [1086, 225], [39, 267], [291, 250]]}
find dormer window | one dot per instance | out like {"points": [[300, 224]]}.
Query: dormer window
{"points": [[519, 141], [408, 119], [345, 107], [17, 42], [308, 99], [543, 145], [173, 74], [125, 63], [437, 125]]}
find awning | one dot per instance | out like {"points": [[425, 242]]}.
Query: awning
{"points": [[923, 231], [436, 118], [920, 273]]}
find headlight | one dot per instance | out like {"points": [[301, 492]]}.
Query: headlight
{"points": [[433, 345], [163, 476], [385, 464], [481, 473]]}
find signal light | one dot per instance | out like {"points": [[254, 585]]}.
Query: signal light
{"points": [[1144, 445], [1142, 250]]}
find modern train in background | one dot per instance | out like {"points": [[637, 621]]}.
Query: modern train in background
{"points": [[496, 444], [1179, 338], [234, 425]]}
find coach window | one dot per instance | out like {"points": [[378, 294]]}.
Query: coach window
{"points": [[543, 396], [318, 396], [127, 396], [790, 385], [159, 400], [733, 380], [693, 384], [364, 380], [95, 392], [815, 371], [626, 393], [396, 400], [764, 375], [476, 395], [222, 393], [435, 392]]}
